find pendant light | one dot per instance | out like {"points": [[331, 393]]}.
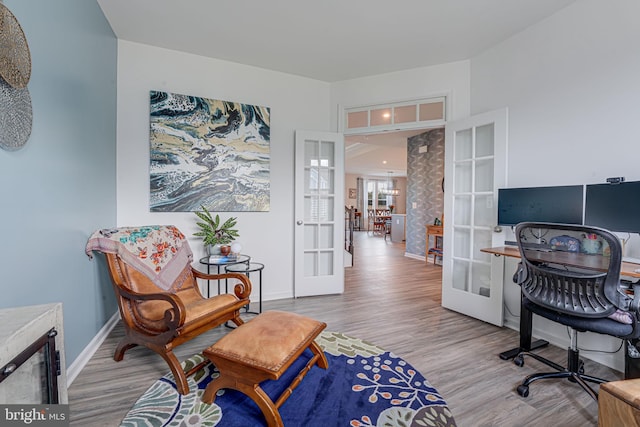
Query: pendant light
{"points": [[390, 191]]}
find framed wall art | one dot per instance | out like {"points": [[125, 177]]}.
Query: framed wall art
{"points": [[207, 152]]}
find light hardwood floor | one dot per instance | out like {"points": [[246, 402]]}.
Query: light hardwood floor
{"points": [[394, 302]]}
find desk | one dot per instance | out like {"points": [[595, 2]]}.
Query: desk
{"points": [[627, 269], [526, 317], [437, 232], [219, 262]]}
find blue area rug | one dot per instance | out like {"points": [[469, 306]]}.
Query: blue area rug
{"points": [[364, 386]]}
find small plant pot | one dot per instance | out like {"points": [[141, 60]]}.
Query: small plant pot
{"points": [[214, 249]]}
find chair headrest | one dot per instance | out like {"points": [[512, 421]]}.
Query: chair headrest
{"points": [[161, 252]]}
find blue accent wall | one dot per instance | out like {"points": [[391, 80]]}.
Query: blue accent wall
{"points": [[61, 185]]}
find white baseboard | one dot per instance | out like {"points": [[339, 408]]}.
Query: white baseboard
{"points": [[83, 358], [414, 256]]}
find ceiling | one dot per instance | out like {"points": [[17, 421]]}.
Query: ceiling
{"points": [[378, 154], [330, 40]]}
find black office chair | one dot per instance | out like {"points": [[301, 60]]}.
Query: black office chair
{"points": [[571, 275]]}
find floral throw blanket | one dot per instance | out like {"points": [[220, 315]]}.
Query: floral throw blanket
{"points": [[161, 252]]}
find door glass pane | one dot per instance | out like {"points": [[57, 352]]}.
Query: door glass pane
{"points": [[311, 180], [381, 117], [484, 140], [327, 156], [405, 114], [326, 209], [310, 236], [357, 119], [326, 236], [310, 209], [484, 175], [311, 153], [483, 214], [481, 239], [463, 148], [460, 275], [461, 243], [462, 177], [325, 263], [462, 210], [310, 264], [326, 180], [481, 279], [432, 111]]}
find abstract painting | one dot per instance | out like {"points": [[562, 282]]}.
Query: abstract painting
{"points": [[208, 152]]}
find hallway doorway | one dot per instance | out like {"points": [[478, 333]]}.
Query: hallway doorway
{"points": [[379, 263]]}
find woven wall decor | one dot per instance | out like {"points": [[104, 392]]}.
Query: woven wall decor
{"points": [[16, 116], [15, 58]]}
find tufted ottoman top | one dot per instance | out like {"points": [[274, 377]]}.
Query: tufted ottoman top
{"points": [[268, 342]]}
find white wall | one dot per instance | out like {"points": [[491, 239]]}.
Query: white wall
{"points": [[571, 85], [350, 181], [295, 102], [572, 88]]}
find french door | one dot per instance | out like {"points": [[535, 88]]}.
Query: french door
{"points": [[475, 167], [319, 213]]}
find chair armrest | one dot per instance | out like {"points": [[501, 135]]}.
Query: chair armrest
{"points": [[520, 275], [174, 316], [634, 305], [242, 290]]}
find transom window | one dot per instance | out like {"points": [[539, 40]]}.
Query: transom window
{"points": [[401, 115]]}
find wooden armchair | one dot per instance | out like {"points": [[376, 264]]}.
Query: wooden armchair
{"points": [[161, 311]]}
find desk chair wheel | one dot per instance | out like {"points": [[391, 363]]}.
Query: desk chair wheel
{"points": [[523, 390], [519, 361]]}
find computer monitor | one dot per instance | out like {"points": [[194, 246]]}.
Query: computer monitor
{"points": [[615, 207], [559, 204]]}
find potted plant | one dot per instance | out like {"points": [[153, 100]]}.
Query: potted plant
{"points": [[214, 234]]}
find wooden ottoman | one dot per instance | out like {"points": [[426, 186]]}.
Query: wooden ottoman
{"points": [[619, 403], [261, 349]]}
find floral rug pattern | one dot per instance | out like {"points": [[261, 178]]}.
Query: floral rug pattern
{"points": [[364, 386]]}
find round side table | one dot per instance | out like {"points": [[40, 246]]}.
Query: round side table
{"points": [[247, 269], [218, 262]]}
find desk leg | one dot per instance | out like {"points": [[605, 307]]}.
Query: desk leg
{"points": [[526, 326]]}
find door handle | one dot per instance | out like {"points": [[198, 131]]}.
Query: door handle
{"points": [[299, 222]]}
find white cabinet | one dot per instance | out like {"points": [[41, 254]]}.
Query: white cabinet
{"points": [[398, 227]]}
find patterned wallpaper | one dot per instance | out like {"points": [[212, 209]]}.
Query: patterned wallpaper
{"points": [[425, 172]]}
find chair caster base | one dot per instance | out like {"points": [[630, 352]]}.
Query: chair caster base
{"points": [[518, 361], [523, 390]]}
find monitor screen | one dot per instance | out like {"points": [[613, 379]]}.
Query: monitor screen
{"points": [[559, 204], [615, 207]]}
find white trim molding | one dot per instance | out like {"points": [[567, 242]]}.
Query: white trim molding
{"points": [[83, 358]]}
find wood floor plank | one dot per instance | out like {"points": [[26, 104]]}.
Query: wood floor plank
{"points": [[394, 302]]}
